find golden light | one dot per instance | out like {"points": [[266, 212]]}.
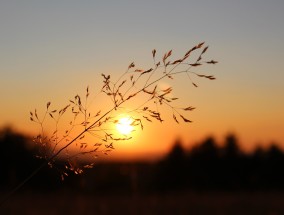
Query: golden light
{"points": [[124, 125]]}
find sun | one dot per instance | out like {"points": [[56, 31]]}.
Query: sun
{"points": [[124, 125]]}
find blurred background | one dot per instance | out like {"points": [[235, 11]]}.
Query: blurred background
{"points": [[211, 177], [228, 161]]}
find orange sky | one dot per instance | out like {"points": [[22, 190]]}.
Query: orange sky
{"points": [[51, 52]]}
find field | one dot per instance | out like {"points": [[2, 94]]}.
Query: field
{"points": [[201, 203]]}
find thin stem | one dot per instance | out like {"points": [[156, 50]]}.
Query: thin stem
{"points": [[11, 193]]}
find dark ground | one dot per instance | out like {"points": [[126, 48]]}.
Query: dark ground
{"points": [[193, 203]]}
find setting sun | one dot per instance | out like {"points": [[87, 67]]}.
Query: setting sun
{"points": [[124, 125]]}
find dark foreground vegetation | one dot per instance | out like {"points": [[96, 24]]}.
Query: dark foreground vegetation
{"points": [[207, 179]]}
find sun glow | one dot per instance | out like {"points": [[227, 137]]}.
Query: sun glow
{"points": [[124, 125]]}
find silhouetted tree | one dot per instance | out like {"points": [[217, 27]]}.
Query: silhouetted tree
{"points": [[172, 169], [203, 165], [231, 148], [177, 153], [233, 164], [206, 151]]}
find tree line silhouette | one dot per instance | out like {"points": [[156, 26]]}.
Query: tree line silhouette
{"points": [[211, 166], [206, 166]]}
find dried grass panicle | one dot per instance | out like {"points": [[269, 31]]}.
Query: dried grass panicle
{"points": [[84, 122]]}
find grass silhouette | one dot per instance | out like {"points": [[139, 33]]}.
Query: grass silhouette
{"points": [[85, 122]]}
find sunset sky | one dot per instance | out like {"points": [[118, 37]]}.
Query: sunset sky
{"points": [[52, 50]]}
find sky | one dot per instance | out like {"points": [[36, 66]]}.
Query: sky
{"points": [[51, 50]]}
